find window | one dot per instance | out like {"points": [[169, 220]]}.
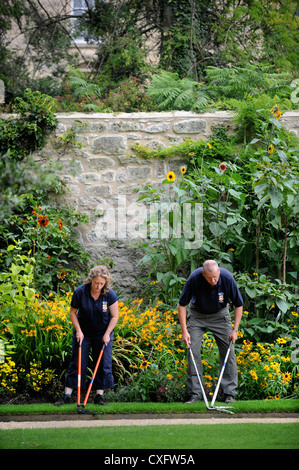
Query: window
{"points": [[78, 8]]}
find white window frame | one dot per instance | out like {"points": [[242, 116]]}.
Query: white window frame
{"points": [[75, 9]]}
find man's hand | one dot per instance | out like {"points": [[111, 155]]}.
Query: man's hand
{"points": [[186, 338], [233, 336]]}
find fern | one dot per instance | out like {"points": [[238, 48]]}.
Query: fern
{"points": [[173, 93], [81, 87], [239, 82]]}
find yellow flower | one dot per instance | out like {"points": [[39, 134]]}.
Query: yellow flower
{"points": [[271, 148], [275, 112], [170, 176], [286, 377], [253, 374], [209, 145], [281, 341], [183, 170]]}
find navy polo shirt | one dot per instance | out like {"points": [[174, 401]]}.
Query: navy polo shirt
{"points": [[93, 315], [207, 299]]}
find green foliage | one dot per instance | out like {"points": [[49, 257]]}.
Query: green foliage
{"points": [[171, 92], [49, 235], [128, 97], [249, 197], [16, 286], [36, 118], [238, 82], [83, 88]]}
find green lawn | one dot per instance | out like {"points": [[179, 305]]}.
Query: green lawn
{"points": [[172, 436], [253, 406], [216, 436]]}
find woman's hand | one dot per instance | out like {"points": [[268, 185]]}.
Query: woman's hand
{"points": [[106, 338], [79, 336]]}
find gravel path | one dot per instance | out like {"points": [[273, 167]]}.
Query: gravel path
{"points": [[57, 421]]}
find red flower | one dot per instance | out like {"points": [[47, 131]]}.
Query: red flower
{"points": [[222, 166]]}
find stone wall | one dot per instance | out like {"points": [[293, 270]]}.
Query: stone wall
{"points": [[103, 174]]}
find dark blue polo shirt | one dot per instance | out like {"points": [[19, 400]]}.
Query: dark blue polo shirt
{"points": [[207, 299], [93, 315]]}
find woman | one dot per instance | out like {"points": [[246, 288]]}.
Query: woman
{"points": [[94, 314]]}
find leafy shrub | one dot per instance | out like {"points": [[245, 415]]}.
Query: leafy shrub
{"points": [[36, 119], [128, 97]]}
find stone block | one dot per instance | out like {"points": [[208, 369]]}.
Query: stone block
{"points": [[110, 145], [103, 190], [192, 126], [139, 173], [100, 163], [88, 178], [156, 128], [124, 126]]}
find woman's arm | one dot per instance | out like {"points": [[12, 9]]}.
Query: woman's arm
{"points": [[113, 309], [75, 322]]}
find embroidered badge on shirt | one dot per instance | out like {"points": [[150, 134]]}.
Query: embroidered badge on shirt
{"points": [[221, 296], [105, 306]]}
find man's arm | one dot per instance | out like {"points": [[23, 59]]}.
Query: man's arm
{"points": [[238, 315], [182, 313]]}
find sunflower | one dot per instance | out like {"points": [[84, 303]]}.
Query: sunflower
{"points": [[274, 110], [222, 166], [271, 148], [183, 170], [170, 176]]}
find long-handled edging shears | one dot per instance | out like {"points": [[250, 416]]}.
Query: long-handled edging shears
{"points": [[223, 409], [81, 408]]}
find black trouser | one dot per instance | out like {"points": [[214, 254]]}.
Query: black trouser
{"points": [[104, 378]]}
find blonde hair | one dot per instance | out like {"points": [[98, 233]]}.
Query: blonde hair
{"points": [[99, 271]]}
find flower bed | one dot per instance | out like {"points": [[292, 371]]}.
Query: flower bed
{"points": [[149, 359]]}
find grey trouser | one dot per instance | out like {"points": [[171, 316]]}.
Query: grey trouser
{"points": [[221, 326]]}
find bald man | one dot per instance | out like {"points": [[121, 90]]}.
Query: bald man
{"points": [[209, 290]]}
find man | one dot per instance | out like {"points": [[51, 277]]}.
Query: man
{"points": [[210, 289]]}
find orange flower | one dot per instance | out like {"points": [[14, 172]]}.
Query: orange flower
{"points": [[34, 211], [62, 275], [60, 223], [43, 221], [222, 166]]}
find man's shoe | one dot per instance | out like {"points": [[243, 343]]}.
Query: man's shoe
{"points": [[64, 400], [99, 400], [229, 399], [193, 400]]}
